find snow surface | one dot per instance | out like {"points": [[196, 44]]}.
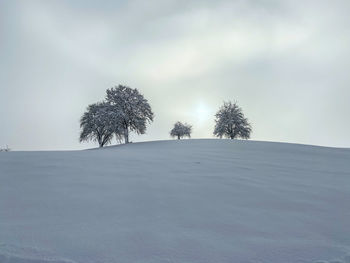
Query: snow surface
{"points": [[177, 201]]}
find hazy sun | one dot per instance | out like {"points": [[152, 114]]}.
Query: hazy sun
{"points": [[202, 112]]}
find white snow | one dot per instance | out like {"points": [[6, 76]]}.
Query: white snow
{"points": [[177, 201]]}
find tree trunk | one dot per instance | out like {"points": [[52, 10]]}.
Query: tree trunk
{"points": [[178, 137], [126, 135], [100, 142]]}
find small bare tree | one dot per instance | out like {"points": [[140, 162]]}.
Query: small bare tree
{"points": [[181, 130], [6, 149]]}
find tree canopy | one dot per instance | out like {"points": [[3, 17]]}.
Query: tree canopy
{"points": [[131, 111], [97, 124], [181, 130], [231, 123]]}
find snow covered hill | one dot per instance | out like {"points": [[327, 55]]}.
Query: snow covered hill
{"points": [[177, 201]]}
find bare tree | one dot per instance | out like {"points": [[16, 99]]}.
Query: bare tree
{"points": [[181, 130], [131, 111], [97, 124], [231, 123], [6, 149]]}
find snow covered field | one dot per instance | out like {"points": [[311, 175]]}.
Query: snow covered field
{"points": [[177, 201]]}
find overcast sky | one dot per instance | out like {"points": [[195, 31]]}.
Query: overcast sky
{"points": [[285, 62]]}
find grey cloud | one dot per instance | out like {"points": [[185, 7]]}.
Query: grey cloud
{"points": [[285, 62]]}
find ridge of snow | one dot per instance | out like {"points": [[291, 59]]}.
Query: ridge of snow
{"points": [[177, 201]]}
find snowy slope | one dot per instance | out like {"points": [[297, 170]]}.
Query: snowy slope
{"points": [[176, 201]]}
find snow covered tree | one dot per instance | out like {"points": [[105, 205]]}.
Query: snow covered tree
{"points": [[97, 124], [181, 130], [231, 123], [6, 149], [131, 111]]}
